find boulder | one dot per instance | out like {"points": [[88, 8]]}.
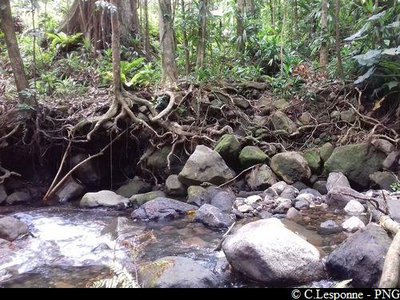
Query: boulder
{"points": [[223, 200], [251, 155], [176, 272], [212, 216], [121, 228], [228, 147], [103, 198], [326, 151], [11, 228], [196, 195], [336, 179], [340, 196], [355, 161], [3, 194], [390, 162], [290, 192], [18, 197], [174, 186], [305, 118], [133, 187], [162, 208], [281, 121], [302, 204], [140, 199], [393, 204], [268, 252], [292, 213], [260, 178], [320, 186], [383, 145], [384, 179], [313, 159], [291, 167], [205, 165], [361, 257], [354, 208], [69, 190]]}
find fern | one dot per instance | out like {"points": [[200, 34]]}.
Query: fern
{"points": [[121, 278]]}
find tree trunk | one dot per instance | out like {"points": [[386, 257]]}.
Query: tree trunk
{"points": [[167, 42], [201, 46], [146, 30], [17, 65], [337, 40], [272, 12], [185, 39], [116, 48], [90, 20], [323, 54], [241, 44]]}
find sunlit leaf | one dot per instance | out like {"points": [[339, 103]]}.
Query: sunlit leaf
{"points": [[364, 77], [368, 59]]}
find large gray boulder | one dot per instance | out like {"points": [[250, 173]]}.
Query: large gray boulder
{"points": [[266, 251], [340, 196], [103, 198], [356, 161], [291, 167], [11, 228], [174, 186], [361, 257], [205, 165], [69, 190], [162, 208], [223, 199], [336, 179], [261, 178], [176, 272], [212, 216]]}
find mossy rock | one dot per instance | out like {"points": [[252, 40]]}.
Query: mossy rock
{"points": [[326, 151], [356, 161], [313, 159], [228, 147], [251, 155]]}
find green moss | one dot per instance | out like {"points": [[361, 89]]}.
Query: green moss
{"points": [[313, 158], [228, 147], [251, 155]]}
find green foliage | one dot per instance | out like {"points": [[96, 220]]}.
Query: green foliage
{"points": [[63, 42], [395, 186], [121, 278]]}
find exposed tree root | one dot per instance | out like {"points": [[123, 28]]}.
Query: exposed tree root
{"points": [[6, 174]]}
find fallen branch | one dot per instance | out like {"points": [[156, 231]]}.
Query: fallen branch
{"points": [[7, 174]]}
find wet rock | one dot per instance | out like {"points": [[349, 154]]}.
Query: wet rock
{"points": [[253, 200], [354, 208], [278, 188], [174, 186], [250, 156], [196, 195], [283, 205], [353, 224], [70, 190], [266, 251], [18, 197], [361, 257], [292, 213], [223, 200], [337, 179], [103, 198], [390, 162], [302, 204], [228, 147], [212, 216], [205, 165], [121, 228], [162, 208], [320, 186], [87, 173], [313, 159], [340, 196], [309, 191], [133, 187], [299, 185], [11, 228], [393, 204], [329, 227], [356, 162], [290, 192], [281, 121], [140, 199], [383, 145], [291, 167], [244, 208], [3, 194], [176, 272], [326, 151], [384, 179], [260, 178], [265, 215]]}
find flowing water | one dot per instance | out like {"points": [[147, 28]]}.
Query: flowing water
{"points": [[71, 247]]}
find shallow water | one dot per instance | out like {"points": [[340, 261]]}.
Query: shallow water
{"points": [[68, 247]]}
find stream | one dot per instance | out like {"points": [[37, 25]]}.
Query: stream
{"points": [[72, 247]]}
